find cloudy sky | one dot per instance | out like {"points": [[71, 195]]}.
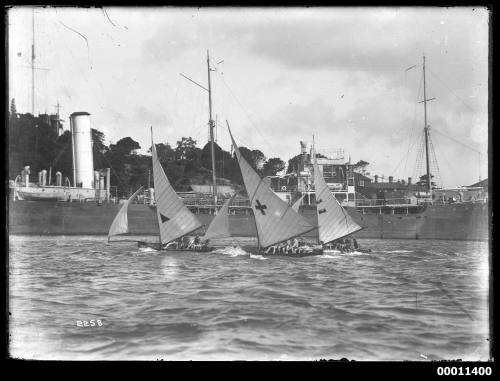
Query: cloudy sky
{"points": [[280, 75]]}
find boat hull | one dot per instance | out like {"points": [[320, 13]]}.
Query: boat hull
{"points": [[255, 250], [160, 247], [468, 221]]}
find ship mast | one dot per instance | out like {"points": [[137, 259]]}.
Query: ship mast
{"points": [[211, 125], [426, 135], [33, 63]]}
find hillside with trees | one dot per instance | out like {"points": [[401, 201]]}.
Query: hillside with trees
{"points": [[34, 141]]}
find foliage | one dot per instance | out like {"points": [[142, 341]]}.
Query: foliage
{"points": [[184, 164], [360, 166], [272, 166], [125, 146]]}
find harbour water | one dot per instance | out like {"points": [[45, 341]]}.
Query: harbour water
{"points": [[406, 300]]}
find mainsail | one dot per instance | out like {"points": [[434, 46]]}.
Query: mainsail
{"points": [[174, 218], [120, 223], [219, 227], [333, 221], [275, 220]]}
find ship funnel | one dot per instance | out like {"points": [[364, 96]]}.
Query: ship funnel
{"points": [[83, 164], [58, 178], [25, 174]]}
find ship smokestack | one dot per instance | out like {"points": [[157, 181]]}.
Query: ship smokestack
{"points": [[26, 175], [58, 178], [44, 177], [376, 179], [101, 184], [83, 164], [108, 183], [391, 179], [96, 179], [151, 196], [409, 180]]}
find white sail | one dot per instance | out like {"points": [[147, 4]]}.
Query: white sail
{"points": [[296, 204], [174, 218], [120, 223], [333, 221], [219, 227], [275, 219]]}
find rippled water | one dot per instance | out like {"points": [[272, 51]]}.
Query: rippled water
{"points": [[407, 300]]}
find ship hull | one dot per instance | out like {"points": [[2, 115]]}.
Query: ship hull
{"points": [[468, 221]]}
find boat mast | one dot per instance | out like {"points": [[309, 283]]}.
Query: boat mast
{"points": [[211, 125], [33, 63], [426, 134]]}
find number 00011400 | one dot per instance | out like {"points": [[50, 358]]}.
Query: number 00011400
{"points": [[464, 371], [88, 323]]}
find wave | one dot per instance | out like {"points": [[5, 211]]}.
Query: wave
{"points": [[397, 251], [329, 256], [255, 256], [146, 250], [231, 251]]}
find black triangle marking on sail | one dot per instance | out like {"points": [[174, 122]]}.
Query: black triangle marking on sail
{"points": [[164, 218]]}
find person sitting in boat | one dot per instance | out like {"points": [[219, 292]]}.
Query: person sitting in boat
{"points": [[186, 242], [354, 243], [172, 244], [347, 244], [269, 250], [191, 242], [197, 240]]}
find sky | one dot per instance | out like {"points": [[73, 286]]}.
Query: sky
{"points": [[279, 76]]}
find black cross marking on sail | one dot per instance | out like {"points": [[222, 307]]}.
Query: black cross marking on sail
{"points": [[261, 207], [322, 211], [164, 218]]}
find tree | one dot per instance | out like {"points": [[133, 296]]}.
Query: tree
{"points": [[360, 166], [272, 166], [294, 164], [165, 152], [99, 149], [125, 146], [254, 157], [186, 149], [98, 141]]}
